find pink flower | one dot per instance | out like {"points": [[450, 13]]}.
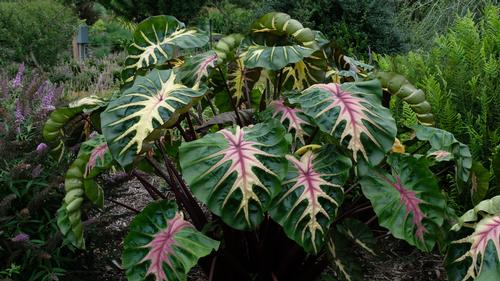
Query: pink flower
{"points": [[17, 82]]}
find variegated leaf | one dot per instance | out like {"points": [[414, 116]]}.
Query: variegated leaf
{"points": [[408, 202], [162, 246], [306, 72], [359, 233], [293, 119], [241, 79], [351, 110], [197, 67], [155, 41], [238, 171], [445, 147], [311, 195], [154, 101], [480, 260]]}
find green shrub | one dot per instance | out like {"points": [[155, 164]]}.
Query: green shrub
{"points": [[108, 36], [460, 76], [37, 31]]}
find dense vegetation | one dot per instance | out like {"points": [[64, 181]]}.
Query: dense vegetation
{"points": [[268, 149]]}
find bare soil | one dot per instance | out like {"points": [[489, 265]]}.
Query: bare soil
{"points": [[396, 261]]}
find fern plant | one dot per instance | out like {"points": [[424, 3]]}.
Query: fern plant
{"points": [[299, 160], [460, 76]]}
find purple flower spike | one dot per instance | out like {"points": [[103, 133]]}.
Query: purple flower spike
{"points": [[19, 114], [17, 82], [21, 237], [41, 148]]}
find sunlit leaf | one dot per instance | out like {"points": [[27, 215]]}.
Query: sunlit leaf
{"points": [[237, 171], [162, 246], [154, 101], [155, 42]]}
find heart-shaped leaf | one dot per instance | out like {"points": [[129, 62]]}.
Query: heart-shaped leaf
{"points": [[155, 41], [154, 101], [408, 202], [237, 171], [351, 110], [197, 67], [162, 246], [294, 119], [312, 192]]}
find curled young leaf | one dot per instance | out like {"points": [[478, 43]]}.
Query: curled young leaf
{"points": [[237, 171], [312, 192], [162, 246]]}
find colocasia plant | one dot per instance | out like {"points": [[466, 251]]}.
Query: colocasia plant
{"points": [[278, 153]]}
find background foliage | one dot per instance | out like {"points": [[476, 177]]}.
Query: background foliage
{"points": [[35, 31]]}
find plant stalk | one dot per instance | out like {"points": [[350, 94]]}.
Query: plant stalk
{"points": [[235, 107], [124, 205]]}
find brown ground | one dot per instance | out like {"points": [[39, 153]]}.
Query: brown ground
{"points": [[397, 260]]}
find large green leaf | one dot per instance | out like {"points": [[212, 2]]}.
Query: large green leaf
{"points": [[162, 246], [445, 147], [312, 192], [351, 110], [237, 171], [408, 202], [155, 42], [279, 41], [54, 132], [227, 47], [93, 158], [480, 260], [359, 233], [155, 100]]}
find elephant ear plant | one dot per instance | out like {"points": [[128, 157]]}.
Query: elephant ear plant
{"points": [[277, 154]]}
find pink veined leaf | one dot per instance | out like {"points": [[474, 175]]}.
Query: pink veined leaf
{"points": [[440, 154], [411, 203], [290, 114], [161, 247], [97, 153], [354, 113], [312, 182], [242, 155], [487, 229], [202, 70]]}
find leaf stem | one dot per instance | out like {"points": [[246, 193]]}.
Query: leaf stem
{"points": [[191, 127], [151, 189], [124, 205], [183, 133], [235, 107]]}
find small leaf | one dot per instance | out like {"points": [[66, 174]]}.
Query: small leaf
{"points": [[311, 195], [197, 67], [162, 245], [445, 147], [237, 171], [408, 202], [293, 118], [479, 180]]}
